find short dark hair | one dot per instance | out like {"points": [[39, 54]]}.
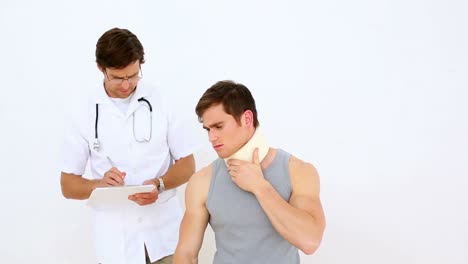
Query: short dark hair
{"points": [[118, 48], [235, 98]]}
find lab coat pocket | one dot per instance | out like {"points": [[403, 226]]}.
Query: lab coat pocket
{"points": [[98, 161]]}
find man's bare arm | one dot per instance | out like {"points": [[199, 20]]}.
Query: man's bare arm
{"points": [[301, 221], [76, 187], [179, 173], [195, 220]]}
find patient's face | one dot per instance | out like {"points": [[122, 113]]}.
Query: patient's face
{"points": [[225, 134]]}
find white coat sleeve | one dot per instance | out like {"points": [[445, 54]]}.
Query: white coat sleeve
{"points": [[74, 152], [184, 135]]}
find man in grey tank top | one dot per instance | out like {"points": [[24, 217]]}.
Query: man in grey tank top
{"points": [[263, 204]]}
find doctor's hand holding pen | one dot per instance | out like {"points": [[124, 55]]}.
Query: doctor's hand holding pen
{"points": [[113, 177]]}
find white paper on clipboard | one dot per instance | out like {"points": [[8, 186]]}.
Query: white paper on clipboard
{"points": [[116, 196]]}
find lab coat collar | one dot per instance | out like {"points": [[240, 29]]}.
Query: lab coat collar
{"points": [[100, 96], [142, 90]]}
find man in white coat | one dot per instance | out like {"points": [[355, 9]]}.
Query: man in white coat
{"points": [[130, 137]]}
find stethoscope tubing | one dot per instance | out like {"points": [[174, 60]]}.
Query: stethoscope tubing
{"points": [[97, 144]]}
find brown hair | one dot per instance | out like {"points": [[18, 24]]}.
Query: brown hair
{"points": [[235, 98], [118, 48]]}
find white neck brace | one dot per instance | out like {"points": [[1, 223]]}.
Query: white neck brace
{"points": [[246, 152]]}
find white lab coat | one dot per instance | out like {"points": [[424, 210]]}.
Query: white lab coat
{"points": [[120, 234]]}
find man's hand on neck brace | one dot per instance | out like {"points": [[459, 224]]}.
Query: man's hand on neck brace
{"points": [[246, 152]]}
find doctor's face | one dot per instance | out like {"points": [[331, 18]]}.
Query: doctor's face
{"points": [[225, 134], [120, 83]]}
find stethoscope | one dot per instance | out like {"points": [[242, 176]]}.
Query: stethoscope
{"points": [[97, 144]]}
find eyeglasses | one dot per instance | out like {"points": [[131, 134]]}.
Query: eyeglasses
{"points": [[131, 80]]}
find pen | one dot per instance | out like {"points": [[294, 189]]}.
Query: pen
{"points": [[111, 162], [120, 173]]}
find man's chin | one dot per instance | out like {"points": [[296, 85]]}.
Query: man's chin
{"points": [[125, 94], [221, 155]]}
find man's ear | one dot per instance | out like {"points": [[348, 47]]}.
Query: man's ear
{"points": [[248, 118], [100, 68]]}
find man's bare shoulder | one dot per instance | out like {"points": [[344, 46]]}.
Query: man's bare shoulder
{"points": [[303, 174], [300, 166], [201, 176], [199, 184]]}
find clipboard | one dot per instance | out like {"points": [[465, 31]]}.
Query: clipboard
{"points": [[115, 196]]}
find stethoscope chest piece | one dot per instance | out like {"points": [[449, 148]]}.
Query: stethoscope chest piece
{"points": [[96, 145]]}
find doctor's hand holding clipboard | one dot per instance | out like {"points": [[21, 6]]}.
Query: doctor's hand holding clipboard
{"points": [[115, 177], [145, 198]]}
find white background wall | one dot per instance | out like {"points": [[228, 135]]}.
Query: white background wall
{"points": [[373, 93]]}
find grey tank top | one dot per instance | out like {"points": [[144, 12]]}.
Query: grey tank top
{"points": [[243, 232]]}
